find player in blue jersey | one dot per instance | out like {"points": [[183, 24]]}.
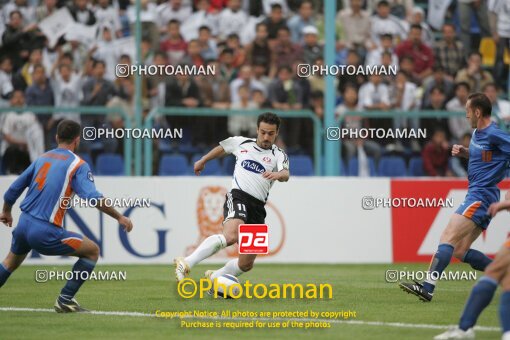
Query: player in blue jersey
{"points": [[489, 154], [498, 272], [52, 179]]}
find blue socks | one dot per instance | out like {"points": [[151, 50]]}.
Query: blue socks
{"points": [[439, 263], [476, 259], [81, 266], [4, 274], [480, 297], [504, 311]]}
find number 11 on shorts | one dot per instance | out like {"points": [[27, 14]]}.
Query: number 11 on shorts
{"points": [[253, 239]]}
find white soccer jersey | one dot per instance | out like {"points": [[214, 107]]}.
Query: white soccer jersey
{"points": [[502, 9], [251, 162]]}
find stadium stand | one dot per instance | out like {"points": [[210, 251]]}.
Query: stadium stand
{"points": [[108, 164], [80, 70], [416, 167], [301, 165], [173, 165], [213, 167], [392, 167], [353, 167]]}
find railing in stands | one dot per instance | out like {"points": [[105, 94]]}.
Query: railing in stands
{"points": [[143, 150], [205, 112], [92, 110], [393, 114]]}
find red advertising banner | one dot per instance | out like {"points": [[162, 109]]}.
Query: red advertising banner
{"points": [[417, 227]]}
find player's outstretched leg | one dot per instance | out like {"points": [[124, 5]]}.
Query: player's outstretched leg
{"points": [[476, 259], [207, 248], [88, 253], [481, 296], [455, 240], [10, 264], [231, 267], [439, 262], [235, 267], [504, 304], [504, 312]]}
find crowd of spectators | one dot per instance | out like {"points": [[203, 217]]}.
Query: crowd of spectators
{"points": [[254, 47]]}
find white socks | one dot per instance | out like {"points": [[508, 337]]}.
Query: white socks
{"points": [[208, 247], [506, 336], [231, 267]]}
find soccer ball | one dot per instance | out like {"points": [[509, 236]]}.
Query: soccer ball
{"points": [[231, 285]]}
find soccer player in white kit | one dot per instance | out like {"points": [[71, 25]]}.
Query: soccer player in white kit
{"points": [[258, 164]]}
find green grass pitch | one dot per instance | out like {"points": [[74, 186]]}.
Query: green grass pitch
{"points": [[360, 288]]}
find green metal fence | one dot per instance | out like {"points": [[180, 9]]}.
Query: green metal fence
{"points": [[143, 150], [92, 110], [393, 114], [410, 114], [204, 112]]}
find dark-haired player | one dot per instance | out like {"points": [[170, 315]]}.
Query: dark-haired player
{"points": [[489, 154], [258, 164], [52, 179]]}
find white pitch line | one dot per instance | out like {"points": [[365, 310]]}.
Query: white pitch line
{"points": [[336, 321]]}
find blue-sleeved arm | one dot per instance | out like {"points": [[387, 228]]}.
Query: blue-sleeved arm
{"points": [[501, 140], [19, 185], [83, 183]]}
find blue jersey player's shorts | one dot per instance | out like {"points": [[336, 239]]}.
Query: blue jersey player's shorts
{"points": [[476, 206], [43, 237]]}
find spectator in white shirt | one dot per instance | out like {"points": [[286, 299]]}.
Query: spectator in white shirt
{"points": [[355, 23], [202, 17], [104, 51], [374, 95], [22, 137], [2, 26], [260, 74], [148, 12], [418, 18], [149, 19], [403, 98], [500, 107], [243, 125], [106, 14], [466, 8], [399, 8], [172, 9], [6, 87], [82, 13], [245, 78], [459, 125], [357, 146], [45, 9], [231, 20], [499, 14], [266, 4], [374, 57], [385, 23], [27, 11], [403, 93], [67, 87]]}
